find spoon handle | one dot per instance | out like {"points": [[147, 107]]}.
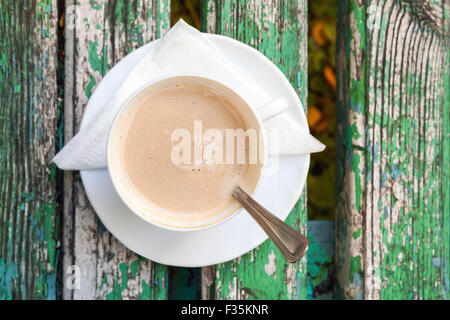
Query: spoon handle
{"points": [[292, 244]]}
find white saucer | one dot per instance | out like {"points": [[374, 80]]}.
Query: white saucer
{"points": [[278, 192]]}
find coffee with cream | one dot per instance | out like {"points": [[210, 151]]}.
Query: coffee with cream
{"points": [[197, 191]]}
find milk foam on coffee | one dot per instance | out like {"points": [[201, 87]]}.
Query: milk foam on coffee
{"points": [[183, 195]]}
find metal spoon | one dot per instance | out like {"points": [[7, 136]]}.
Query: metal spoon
{"points": [[292, 244]]}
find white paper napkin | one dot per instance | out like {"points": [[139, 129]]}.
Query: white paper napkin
{"points": [[182, 50]]}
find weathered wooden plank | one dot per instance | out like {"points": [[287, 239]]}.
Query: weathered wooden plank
{"points": [[279, 30], [29, 114], [393, 208], [104, 31], [184, 282]]}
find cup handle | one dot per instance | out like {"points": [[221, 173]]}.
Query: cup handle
{"points": [[273, 108]]}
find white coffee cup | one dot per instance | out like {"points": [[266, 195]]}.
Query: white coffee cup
{"points": [[144, 207]]}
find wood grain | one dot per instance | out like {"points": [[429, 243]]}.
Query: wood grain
{"points": [[29, 137], [104, 32], [279, 30], [393, 212]]}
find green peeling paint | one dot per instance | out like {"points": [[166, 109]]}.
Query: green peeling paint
{"points": [[125, 26], [8, 273], [90, 86], [96, 61], [320, 260], [30, 214], [357, 233], [392, 141], [95, 5]]}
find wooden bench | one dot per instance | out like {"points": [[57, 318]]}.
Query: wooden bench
{"points": [[393, 214]]}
